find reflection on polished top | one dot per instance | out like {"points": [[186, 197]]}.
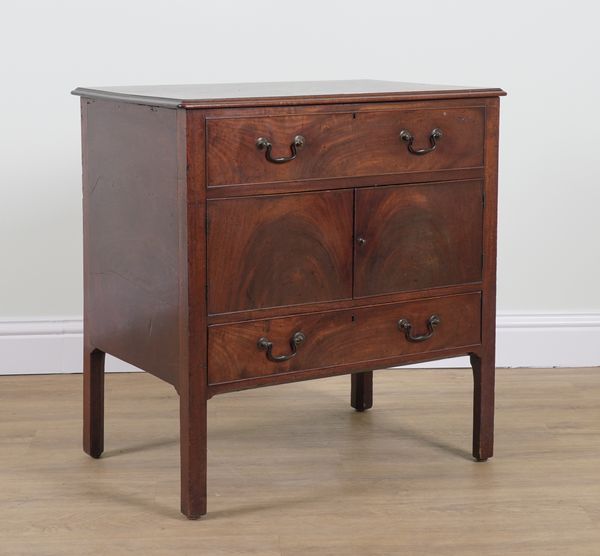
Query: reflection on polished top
{"points": [[280, 93]]}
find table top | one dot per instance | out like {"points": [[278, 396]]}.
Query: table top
{"points": [[288, 93]]}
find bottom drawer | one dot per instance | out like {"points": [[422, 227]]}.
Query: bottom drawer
{"points": [[266, 347]]}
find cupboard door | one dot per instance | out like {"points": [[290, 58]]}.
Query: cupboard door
{"points": [[418, 237], [279, 250]]}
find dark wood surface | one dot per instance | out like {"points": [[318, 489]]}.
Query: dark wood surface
{"points": [[193, 383], [93, 401], [196, 246], [361, 390], [361, 110], [131, 235], [307, 308], [280, 93], [332, 338], [417, 237], [484, 361], [343, 144], [343, 369], [322, 184], [279, 250]]}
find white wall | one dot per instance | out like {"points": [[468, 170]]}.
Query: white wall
{"points": [[544, 53]]}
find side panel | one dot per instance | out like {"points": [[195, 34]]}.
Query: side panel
{"points": [[131, 234]]}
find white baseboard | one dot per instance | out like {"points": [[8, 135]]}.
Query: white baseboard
{"points": [[39, 346], [45, 346]]}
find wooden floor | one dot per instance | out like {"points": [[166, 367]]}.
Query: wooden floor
{"points": [[294, 471]]}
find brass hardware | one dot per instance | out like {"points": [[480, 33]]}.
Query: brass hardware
{"points": [[406, 327], [407, 136], [297, 339], [361, 241], [263, 143]]}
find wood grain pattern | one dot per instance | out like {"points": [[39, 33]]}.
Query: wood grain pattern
{"points": [[132, 238], [340, 337], [220, 95], [345, 107], [279, 250], [417, 237], [193, 393], [484, 360], [342, 369], [196, 245], [294, 471], [322, 184], [289, 310], [93, 358], [342, 144]]}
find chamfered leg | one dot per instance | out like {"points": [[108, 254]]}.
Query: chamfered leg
{"points": [[484, 371], [93, 401], [361, 393]]}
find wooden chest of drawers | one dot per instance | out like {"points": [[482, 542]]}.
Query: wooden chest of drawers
{"points": [[238, 236]]}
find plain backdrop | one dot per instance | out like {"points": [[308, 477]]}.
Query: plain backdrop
{"points": [[544, 54]]}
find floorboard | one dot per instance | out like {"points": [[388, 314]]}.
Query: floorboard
{"points": [[293, 470]]}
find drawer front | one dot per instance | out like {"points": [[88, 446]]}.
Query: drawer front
{"points": [[345, 144], [418, 237], [241, 351], [279, 250]]}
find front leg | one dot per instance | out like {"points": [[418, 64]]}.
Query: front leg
{"points": [[192, 419], [484, 371]]}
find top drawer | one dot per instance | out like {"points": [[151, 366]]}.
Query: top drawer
{"points": [[348, 144]]}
